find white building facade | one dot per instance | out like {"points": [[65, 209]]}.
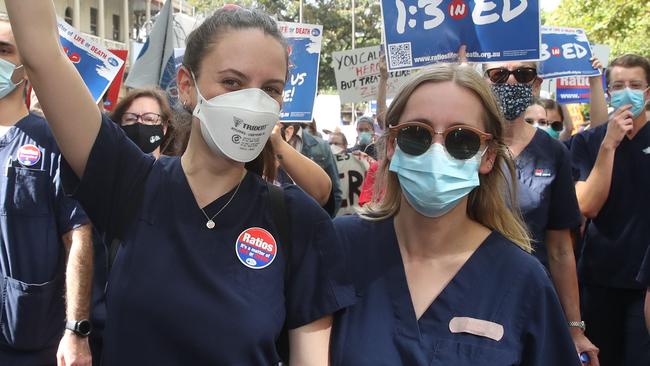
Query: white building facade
{"points": [[113, 23]]}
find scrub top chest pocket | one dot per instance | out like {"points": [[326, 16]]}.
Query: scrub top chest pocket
{"points": [[25, 191]]}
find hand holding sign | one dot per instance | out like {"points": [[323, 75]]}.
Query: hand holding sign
{"points": [[491, 30]]}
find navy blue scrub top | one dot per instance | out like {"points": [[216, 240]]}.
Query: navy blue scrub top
{"points": [[34, 215], [546, 192], [618, 237], [499, 283], [644, 273], [179, 292]]}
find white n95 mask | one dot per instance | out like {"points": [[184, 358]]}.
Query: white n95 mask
{"points": [[237, 124]]}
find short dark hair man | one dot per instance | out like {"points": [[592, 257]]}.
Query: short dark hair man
{"points": [[39, 228]]}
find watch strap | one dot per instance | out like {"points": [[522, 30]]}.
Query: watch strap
{"points": [[580, 324]]}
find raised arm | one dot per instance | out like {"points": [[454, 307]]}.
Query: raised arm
{"points": [[592, 193], [567, 123], [598, 105], [67, 104], [304, 172]]}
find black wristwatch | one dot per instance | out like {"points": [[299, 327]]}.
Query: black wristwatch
{"points": [[82, 328]]}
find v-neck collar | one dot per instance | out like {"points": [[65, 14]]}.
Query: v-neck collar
{"points": [[408, 324], [185, 201], [525, 156]]}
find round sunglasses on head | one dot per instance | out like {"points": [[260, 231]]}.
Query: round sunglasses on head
{"points": [[461, 141], [500, 75]]}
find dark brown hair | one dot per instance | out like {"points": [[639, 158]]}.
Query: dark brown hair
{"points": [[165, 111], [549, 104], [628, 61]]}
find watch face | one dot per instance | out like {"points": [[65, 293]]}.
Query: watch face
{"points": [[84, 327]]}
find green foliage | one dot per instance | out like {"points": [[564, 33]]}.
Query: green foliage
{"points": [[624, 25], [334, 15]]}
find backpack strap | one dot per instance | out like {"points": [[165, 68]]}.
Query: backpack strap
{"points": [[280, 216]]}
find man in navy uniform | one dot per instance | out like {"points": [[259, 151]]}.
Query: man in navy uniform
{"points": [[41, 233]]}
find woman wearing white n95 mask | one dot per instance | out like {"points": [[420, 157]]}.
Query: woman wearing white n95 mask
{"points": [[202, 273]]}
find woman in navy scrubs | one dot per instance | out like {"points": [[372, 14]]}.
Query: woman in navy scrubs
{"points": [[201, 275], [545, 188], [440, 263]]}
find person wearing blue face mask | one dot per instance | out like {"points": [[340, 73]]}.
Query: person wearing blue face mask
{"points": [[546, 194], [365, 136], [44, 235], [537, 116], [440, 262], [613, 161]]}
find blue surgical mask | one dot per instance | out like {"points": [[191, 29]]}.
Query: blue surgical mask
{"points": [[434, 182], [550, 131], [365, 138], [628, 96], [6, 71]]}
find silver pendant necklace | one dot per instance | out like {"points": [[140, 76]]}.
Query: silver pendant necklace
{"points": [[210, 224]]}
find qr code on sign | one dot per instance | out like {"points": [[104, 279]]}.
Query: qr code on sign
{"points": [[400, 55]]}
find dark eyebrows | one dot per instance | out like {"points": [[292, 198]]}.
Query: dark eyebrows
{"points": [[237, 73], [7, 44], [243, 76]]}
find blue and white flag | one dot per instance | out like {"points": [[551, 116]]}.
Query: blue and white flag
{"points": [[423, 32], [96, 64], [157, 63], [151, 66], [304, 58], [565, 52]]}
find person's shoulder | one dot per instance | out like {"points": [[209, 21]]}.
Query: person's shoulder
{"points": [[351, 223], [359, 233], [590, 137], [512, 261], [302, 206], [37, 128], [315, 139], [35, 123]]}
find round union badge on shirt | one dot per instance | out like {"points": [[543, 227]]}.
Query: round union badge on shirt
{"points": [[29, 155], [256, 248]]}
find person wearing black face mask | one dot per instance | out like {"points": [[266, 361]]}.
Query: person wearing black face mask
{"points": [[143, 115]]}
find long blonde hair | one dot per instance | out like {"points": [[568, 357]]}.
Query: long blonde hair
{"points": [[486, 203]]}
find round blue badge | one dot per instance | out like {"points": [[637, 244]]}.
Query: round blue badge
{"points": [[256, 248], [315, 32]]}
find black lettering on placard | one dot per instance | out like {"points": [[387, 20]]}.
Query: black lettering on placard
{"points": [[344, 201], [355, 180]]}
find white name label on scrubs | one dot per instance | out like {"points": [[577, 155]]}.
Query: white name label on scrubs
{"points": [[256, 248], [477, 327]]}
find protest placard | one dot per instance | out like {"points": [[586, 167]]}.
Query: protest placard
{"points": [[357, 74], [113, 92], [565, 52], [422, 32], [304, 58], [97, 65]]}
